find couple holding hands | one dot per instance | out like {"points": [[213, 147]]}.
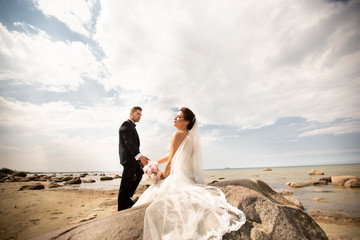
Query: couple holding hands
{"points": [[181, 206]]}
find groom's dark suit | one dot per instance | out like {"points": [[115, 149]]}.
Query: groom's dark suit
{"points": [[129, 147]]}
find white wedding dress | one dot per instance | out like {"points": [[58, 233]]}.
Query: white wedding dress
{"points": [[182, 207]]}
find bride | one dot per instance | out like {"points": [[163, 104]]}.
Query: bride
{"points": [[182, 207]]}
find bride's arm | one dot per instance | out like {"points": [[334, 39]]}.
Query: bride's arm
{"points": [[176, 140], [163, 159]]}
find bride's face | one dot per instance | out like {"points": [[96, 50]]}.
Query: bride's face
{"points": [[179, 121]]}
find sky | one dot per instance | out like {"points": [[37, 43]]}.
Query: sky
{"points": [[272, 84]]}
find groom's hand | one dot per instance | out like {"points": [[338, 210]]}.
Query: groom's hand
{"points": [[144, 160]]}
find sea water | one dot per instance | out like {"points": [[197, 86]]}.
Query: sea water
{"points": [[338, 201]]}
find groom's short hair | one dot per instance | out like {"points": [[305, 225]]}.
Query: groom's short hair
{"points": [[134, 109]]}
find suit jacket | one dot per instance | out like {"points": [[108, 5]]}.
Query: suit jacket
{"points": [[129, 143]]}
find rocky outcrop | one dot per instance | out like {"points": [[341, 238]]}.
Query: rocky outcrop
{"points": [[315, 172], [19, 174], [269, 216], [352, 183], [341, 180]]}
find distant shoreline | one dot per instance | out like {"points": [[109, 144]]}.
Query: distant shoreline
{"points": [[207, 169]]}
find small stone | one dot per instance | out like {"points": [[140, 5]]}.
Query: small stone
{"points": [[315, 172], [322, 191], [318, 200], [285, 192]]}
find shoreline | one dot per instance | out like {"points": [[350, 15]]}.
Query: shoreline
{"points": [[36, 212]]}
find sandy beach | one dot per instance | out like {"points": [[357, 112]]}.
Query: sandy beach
{"points": [[30, 213]]}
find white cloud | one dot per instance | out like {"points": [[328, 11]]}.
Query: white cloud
{"points": [[59, 135], [345, 127], [34, 58], [76, 14], [237, 63]]}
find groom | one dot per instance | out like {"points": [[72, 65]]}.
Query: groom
{"points": [[130, 158]]}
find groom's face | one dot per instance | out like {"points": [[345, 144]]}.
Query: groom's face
{"points": [[135, 116]]}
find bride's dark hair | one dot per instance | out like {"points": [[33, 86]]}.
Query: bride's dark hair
{"points": [[188, 116]]}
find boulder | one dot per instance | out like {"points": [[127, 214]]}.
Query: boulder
{"points": [[54, 185], [117, 176], [340, 180], [32, 187], [88, 181], [267, 169], [83, 175], [3, 175], [75, 180], [352, 183], [269, 216], [67, 178], [33, 178], [315, 172], [57, 179], [19, 174], [105, 178], [304, 184]]}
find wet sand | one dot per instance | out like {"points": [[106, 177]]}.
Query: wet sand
{"points": [[30, 213]]}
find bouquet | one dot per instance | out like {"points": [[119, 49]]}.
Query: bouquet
{"points": [[152, 172]]}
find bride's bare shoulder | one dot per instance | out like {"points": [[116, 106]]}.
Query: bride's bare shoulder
{"points": [[179, 136]]}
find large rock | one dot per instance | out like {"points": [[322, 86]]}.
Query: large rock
{"points": [[352, 183], [269, 216], [341, 180]]}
